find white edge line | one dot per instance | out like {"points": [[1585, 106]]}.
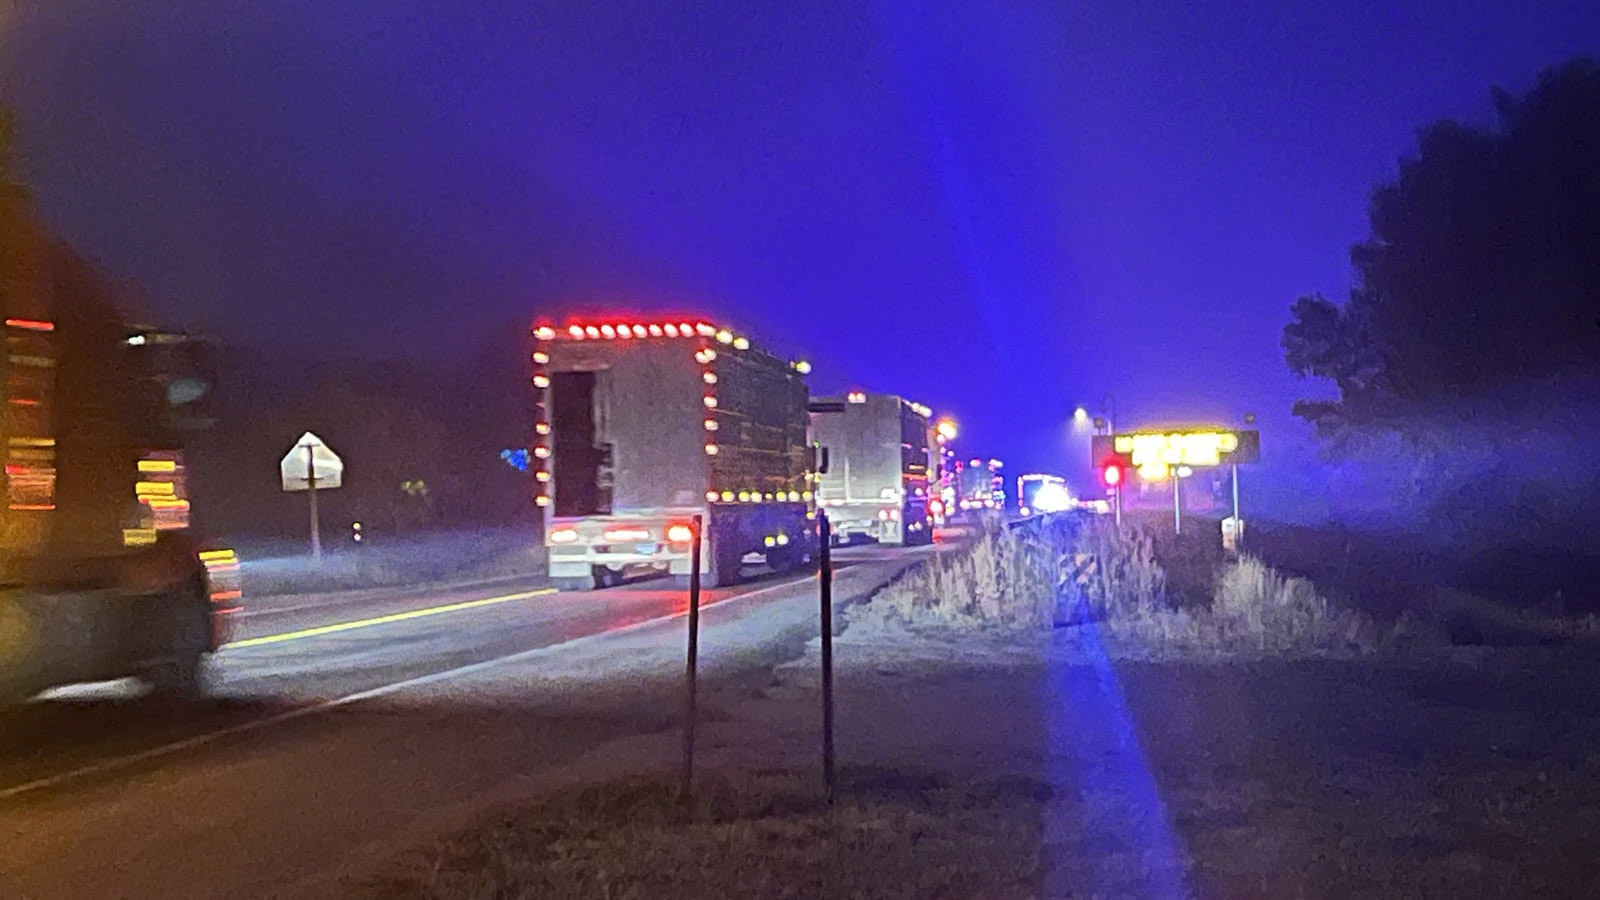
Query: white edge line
{"points": [[122, 762]]}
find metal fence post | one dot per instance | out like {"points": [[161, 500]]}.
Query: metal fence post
{"points": [[825, 590], [690, 676]]}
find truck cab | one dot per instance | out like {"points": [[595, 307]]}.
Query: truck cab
{"points": [[101, 576]]}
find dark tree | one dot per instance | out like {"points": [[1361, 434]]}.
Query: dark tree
{"points": [[1482, 266]]}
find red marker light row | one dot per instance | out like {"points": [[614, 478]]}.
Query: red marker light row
{"points": [[624, 331]]}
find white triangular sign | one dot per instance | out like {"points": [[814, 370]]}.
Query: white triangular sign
{"points": [[311, 455]]}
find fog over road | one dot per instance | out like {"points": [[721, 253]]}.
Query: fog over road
{"points": [[342, 723]]}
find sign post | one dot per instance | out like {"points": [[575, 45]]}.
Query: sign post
{"points": [[1177, 505], [1236, 495], [311, 488], [311, 466]]}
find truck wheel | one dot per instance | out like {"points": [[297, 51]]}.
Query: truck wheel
{"points": [[603, 577], [726, 566], [181, 676], [681, 582], [785, 559]]}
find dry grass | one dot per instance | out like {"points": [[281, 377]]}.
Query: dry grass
{"points": [[1253, 609], [1059, 572], [1003, 579], [893, 834]]}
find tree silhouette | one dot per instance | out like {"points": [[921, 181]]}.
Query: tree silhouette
{"points": [[1482, 266]]}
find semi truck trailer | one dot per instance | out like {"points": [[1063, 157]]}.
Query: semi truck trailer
{"points": [[878, 483], [979, 486], [642, 425]]}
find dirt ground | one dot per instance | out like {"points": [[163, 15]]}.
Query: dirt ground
{"points": [[1464, 772]]}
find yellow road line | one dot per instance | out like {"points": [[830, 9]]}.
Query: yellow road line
{"points": [[385, 620]]}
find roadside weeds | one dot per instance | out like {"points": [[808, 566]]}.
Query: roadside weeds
{"points": [[893, 834], [1108, 583]]}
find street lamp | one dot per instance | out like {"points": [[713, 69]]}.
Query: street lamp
{"points": [[1080, 415]]}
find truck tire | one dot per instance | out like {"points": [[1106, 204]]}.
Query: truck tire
{"points": [[786, 559], [727, 564], [603, 577], [180, 676]]}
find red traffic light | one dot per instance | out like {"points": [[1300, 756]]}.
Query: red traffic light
{"points": [[1111, 475]]}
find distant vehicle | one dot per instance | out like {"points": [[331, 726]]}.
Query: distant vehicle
{"points": [[1039, 494], [877, 485], [978, 486], [941, 472], [1100, 507], [643, 426], [102, 577]]}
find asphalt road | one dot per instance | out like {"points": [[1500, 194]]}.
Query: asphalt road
{"points": [[339, 722]]}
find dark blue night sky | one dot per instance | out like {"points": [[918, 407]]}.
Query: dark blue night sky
{"points": [[1004, 210]]}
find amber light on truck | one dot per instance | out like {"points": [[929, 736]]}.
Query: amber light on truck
{"points": [[564, 536], [680, 534], [627, 534]]}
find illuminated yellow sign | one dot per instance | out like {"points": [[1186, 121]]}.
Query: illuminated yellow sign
{"points": [[1154, 455]]}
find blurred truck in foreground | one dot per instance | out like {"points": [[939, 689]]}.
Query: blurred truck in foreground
{"points": [[878, 481], [643, 425], [101, 576]]}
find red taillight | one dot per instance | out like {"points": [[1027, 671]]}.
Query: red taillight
{"points": [[31, 324], [627, 534], [680, 534], [564, 536]]}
